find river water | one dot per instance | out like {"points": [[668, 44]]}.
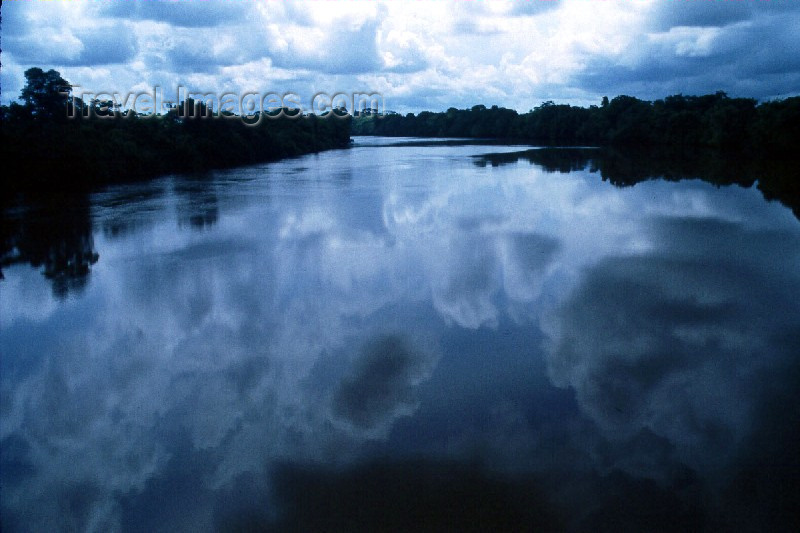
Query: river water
{"points": [[399, 334]]}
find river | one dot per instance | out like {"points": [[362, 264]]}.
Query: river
{"points": [[396, 334]]}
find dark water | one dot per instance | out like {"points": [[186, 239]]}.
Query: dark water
{"points": [[403, 337]]}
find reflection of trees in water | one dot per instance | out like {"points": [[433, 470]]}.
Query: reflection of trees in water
{"points": [[550, 159], [120, 211], [777, 179], [55, 236], [198, 205]]}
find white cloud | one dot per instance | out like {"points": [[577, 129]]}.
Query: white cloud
{"points": [[422, 54], [687, 41]]}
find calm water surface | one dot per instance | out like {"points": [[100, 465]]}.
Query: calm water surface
{"points": [[395, 335]]}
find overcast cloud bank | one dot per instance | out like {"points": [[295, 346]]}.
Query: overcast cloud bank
{"points": [[419, 55]]}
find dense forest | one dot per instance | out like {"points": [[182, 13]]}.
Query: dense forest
{"points": [[100, 145], [715, 120]]}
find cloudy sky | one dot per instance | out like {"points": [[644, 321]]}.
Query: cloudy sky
{"points": [[419, 54]]}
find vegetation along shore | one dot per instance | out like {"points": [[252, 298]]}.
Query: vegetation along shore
{"points": [[53, 152]]}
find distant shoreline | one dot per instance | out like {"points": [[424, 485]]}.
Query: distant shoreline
{"points": [[710, 121], [60, 144], [53, 153]]}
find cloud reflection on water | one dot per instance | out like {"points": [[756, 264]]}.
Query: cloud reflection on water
{"points": [[681, 341], [406, 311]]}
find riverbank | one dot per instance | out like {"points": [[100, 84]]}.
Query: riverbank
{"points": [[713, 121], [74, 155], [62, 144]]}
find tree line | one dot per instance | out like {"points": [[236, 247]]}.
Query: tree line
{"points": [[102, 144], [776, 178], [713, 120], [57, 142]]}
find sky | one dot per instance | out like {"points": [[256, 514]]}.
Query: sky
{"points": [[418, 54]]}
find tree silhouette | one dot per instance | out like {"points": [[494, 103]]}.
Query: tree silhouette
{"points": [[46, 94], [711, 121], [102, 144]]}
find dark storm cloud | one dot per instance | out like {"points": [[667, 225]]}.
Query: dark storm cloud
{"points": [[709, 13], [777, 41], [700, 13], [735, 47]]}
